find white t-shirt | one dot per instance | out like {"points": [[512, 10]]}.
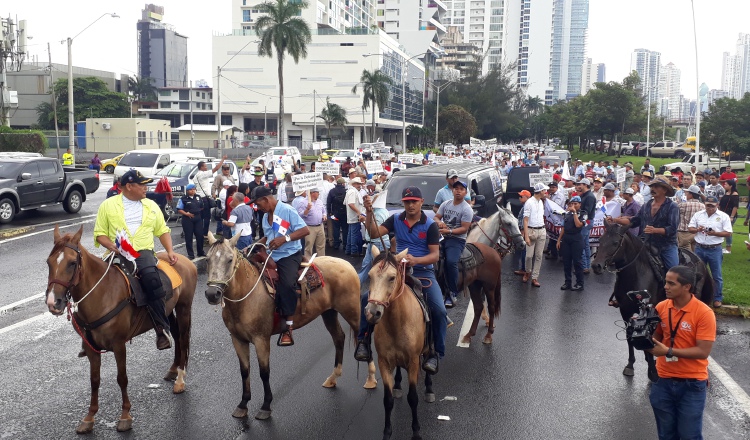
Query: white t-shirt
{"points": [[534, 210], [242, 217], [246, 176], [719, 222], [353, 196], [203, 181], [133, 214]]}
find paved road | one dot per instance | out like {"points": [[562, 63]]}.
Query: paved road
{"points": [[554, 371]]}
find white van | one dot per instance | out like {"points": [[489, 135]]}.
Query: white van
{"points": [[149, 162]]}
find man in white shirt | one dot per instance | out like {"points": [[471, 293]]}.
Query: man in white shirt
{"points": [[355, 214], [325, 188], [202, 182], [534, 233], [711, 226]]}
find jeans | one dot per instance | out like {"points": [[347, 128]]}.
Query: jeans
{"points": [[670, 256], [354, 240], [244, 241], [452, 247], [519, 259], [729, 239], [340, 232], [571, 249], [434, 298], [678, 408], [586, 233], [713, 257], [364, 271]]}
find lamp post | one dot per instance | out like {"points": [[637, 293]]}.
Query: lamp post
{"points": [[438, 88], [697, 88], [71, 113]]}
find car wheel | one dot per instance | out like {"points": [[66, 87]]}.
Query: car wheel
{"points": [[169, 212], [7, 211], [679, 154], [73, 202], [109, 169]]}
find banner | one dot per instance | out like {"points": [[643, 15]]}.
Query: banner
{"points": [[554, 222], [439, 159], [406, 158], [374, 166], [303, 182], [330, 168], [535, 178], [620, 173]]}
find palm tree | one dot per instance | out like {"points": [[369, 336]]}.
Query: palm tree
{"points": [[142, 88], [374, 92], [333, 115], [415, 132], [282, 31], [533, 105]]}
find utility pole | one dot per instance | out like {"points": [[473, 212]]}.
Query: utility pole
{"points": [[192, 135], [54, 100], [648, 116], [71, 113], [315, 119], [218, 109], [265, 123], [437, 118]]}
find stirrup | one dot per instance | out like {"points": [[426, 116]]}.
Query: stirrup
{"points": [[278, 341]]}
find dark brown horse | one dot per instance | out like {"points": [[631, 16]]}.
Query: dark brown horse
{"points": [[248, 312], [96, 288], [627, 256]]}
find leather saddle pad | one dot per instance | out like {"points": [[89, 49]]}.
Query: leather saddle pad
{"points": [[313, 277], [138, 295]]}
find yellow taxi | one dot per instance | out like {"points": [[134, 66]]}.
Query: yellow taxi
{"points": [[108, 166]]}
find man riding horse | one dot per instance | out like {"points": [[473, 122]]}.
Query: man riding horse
{"points": [[454, 219]]}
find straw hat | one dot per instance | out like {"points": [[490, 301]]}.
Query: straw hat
{"points": [[661, 180]]}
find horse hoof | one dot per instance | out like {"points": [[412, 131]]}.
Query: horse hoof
{"points": [[628, 371], [429, 397], [329, 383], [85, 427], [239, 413], [171, 376], [466, 339], [263, 414], [371, 384], [487, 340], [178, 388], [397, 393], [124, 425]]}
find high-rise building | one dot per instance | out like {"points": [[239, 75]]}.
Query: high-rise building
{"points": [[601, 73], [588, 77], [570, 21], [483, 24], [735, 74], [162, 52], [417, 25], [332, 16], [459, 56], [729, 77], [669, 91], [647, 63]]}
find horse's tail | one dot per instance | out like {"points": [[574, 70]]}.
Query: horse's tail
{"points": [[497, 295], [707, 291]]}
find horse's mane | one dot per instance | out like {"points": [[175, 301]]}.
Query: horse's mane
{"points": [[388, 256]]}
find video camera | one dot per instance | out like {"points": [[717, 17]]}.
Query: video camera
{"points": [[642, 325]]}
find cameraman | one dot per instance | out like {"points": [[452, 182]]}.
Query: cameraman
{"points": [[682, 345]]}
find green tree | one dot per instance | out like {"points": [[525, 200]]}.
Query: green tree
{"points": [[459, 124], [88, 93], [726, 127], [282, 31], [375, 90], [141, 88], [333, 115]]}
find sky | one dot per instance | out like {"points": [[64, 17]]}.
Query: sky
{"points": [[616, 28]]}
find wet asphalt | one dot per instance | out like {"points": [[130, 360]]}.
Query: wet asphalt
{"points": [[554, 370]]}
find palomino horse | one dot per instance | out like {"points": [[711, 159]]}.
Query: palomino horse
{"points": [[94, 287], [399, 333], [627, 256], [248, 312]]}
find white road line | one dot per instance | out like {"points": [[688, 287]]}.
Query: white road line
{"points": [[24, 322], [17, 304], [36, 225], [8, 240], [468, 319], [734, 389]]}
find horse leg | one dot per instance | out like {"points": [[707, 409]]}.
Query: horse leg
{"points": [[429, 395], [182, 345], [413, 398], [95, 363], [653, 375], [494, 310], [174, 328], [243, 353], [263, 351], [372, 382], [331, 321], [126, 422], [386, 373], [478, 301], [397, 392], [629, 370]]}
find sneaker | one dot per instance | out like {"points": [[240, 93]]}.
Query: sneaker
{"points": [[363, 352], [448, 302], [430, 364], [454, 297], [724, 251], [565, 286], [577, 287]]}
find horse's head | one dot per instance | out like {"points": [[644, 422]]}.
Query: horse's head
{"points": [[509, 225], [64, 263], [386, 280], [221, 259], [610, 246]]}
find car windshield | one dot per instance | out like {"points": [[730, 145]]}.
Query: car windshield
{"points": [[279, 152], [9, 170], [345, 153], [176, 170], [429, 185], [136, 159]]}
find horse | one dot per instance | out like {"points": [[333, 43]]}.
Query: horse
{"points": [[487, 231], [248, 311], [94, 286], [399, 333], [627, 256]]}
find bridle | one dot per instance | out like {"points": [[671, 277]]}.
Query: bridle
{"points": [[221, 285], [398, 289], [76, 278], [610, 261]]}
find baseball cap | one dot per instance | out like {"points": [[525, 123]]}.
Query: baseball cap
{"points": [[370, 182], [190, 186], [571, 178], [458, 182], [695, 189], [585, 181], [552, 184], [630, 191], [589, 165], [341, 181], [227, 183], [134, 176], [525, 193], [667, 173], [451, 173], [575, 199], [609, 187], [259, 192], [411, 193], [711, 200], [539, 187]]}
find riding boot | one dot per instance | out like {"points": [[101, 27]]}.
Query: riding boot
{"points": [[430, 364], [161, 324], [363, 353]]}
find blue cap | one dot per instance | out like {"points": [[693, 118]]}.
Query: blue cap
{"points": [[458, 182], [575, 199], [190, 186], [711, 199]]}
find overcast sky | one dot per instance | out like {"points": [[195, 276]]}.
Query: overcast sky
{"points": [[616, 27]]}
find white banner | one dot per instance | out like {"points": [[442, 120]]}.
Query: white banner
{"points": [[330, 168], [535, 178], [406, 158], [303, 182], [554, 222], [440, 159], [374, 166], [621, 175]]}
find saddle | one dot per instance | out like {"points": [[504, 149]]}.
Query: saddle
{"points": [[471, 258], [686, 258], [168, 275]]}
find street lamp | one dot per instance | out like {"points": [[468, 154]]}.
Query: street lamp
{"points": [[698, 89], [438, 88], [71, 113]]}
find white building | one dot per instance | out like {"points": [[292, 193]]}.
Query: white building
{"points": [[336, 15], [669, 91], [570, 22], [647, 63], [588, 77], [417, 25], [735, 74], [528, 40], [177, 104], [482, 23], [729, 77]]}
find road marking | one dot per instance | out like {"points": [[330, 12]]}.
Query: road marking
{"points": [[23, 323], [8, 240], [62, 221], [15, 231], [17, 304], [468, 319], [734, 389]]}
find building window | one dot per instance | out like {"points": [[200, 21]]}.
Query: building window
{"points": [[165, 93], [165, 105], [151, 137], [184, 106], [246, 16], [141, 138], [203, 95]]}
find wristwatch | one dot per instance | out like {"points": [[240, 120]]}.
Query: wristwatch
{"points": [[669, 353], [287, 238]]}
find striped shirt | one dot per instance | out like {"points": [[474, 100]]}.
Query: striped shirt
{"points": [[687, 210]]}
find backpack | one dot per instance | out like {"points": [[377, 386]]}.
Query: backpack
{"points": [[338, 201]]}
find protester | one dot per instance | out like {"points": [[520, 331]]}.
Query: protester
{"points": [[570, 244], [355, 215], [96, 163], [519, 257], [190, 207], [336, 210], [313, 212], [691, 205], [534, 233], [240, 220], [714, 188], [446, 192], [588, 205], [454, 219], [221, 178], [728, 204], [630, 208]]}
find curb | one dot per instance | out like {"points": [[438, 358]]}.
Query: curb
{"points": [[730, 310], [200, 263]]}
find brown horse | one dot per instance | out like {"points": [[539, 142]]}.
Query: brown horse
{"points": [[248, 312], [94, 286], [399, 333]]}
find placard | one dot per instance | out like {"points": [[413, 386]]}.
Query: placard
{"points": [[620, 174], [305, 181], [330, 168], [535, 178], [406, 158], [440, 159], [374, 166]]}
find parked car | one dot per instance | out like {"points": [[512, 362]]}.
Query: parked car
{"points": [[28, 183], [290, 154], [518, 180], [670, 149], [150, 161], [341, 155], [109, 165]]}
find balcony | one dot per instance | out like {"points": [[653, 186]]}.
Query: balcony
{"points": [[437, 3], [439, 26]]}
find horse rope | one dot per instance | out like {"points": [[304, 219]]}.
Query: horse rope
{"points": [[75, 304], [239, 261]]}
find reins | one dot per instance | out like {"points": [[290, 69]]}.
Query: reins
{"points": [[610, 260], [239, 257], [398, 290]]}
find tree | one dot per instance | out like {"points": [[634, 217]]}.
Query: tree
{"points": [[142, 88], [91, 97], [282, 31], [333, 115], [375, 89], [726, 127], [459, 124]]}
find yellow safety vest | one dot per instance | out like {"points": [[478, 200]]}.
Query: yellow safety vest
{"points": [[67, 159]]}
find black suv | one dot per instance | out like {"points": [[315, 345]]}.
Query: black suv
{"points": [[518, 180]]}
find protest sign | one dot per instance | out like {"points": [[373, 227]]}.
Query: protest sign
{"points": [[621, 175], [303, 182], [374, 166], [535, 178], [330, 168]]}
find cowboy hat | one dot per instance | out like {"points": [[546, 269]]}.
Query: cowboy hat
{"points": [[661, 180]]}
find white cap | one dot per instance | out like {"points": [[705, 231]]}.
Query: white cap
{"points": [[539, 187], [227, 183]]}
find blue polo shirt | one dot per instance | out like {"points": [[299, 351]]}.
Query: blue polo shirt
{"points": [[285, 221], [417, 238]]}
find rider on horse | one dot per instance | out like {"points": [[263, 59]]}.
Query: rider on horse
{"points": [[420, 235], [141, 220], [454, 219], [283, 233]]}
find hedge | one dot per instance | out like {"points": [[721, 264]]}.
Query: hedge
{"points": [[27, 141]]}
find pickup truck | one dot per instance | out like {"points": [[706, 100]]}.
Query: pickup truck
{"points": [[28, 183], [670, 149], [701, 162]]}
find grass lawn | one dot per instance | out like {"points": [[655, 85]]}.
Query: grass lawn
{"points": [[736, 267], [636, 160]]}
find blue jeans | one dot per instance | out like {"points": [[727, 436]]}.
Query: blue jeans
{"points": [[354, 240], [434, 298], [729, 239], [244, 242], [452, 248], [678, 408], [364, 271], [586, 233], [670, 256], [713, 257], [519, 259], [340, 232]]}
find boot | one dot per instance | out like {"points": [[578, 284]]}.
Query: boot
{"points": [[164, 339], [363, 353]]}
